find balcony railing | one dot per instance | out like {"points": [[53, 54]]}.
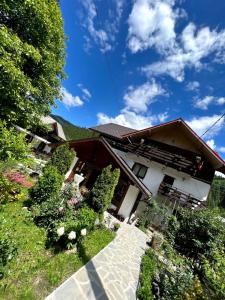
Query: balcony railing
{"points": [[179, 197]]}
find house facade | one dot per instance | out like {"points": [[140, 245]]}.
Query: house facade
{"points": [[168, 162]]}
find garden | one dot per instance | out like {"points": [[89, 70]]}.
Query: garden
{"points": [[186, 259], [48, 230]]}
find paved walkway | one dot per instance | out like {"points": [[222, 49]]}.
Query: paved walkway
{"points": [[112, 274]]}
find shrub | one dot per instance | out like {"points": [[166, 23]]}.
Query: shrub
{"points": [[213, 274], [147, 273], [9, 191], [104, 187], [198, 233], [62, 158], [48, 185], [7, 252], [72, 223]]}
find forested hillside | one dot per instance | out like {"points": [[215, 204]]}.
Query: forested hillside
{"points": [[217, 194], [73, 132]]}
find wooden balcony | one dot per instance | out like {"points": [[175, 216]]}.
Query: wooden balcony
{"points": [[179, 197], [173, 157]]}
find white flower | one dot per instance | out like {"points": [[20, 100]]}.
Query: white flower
{"points": [[72, 235], [96, 221], [60, 231], [83, 232]]}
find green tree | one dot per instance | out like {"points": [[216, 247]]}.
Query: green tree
{"points": [[62, 158], [104, 187], [13, 146], [31, 59]]}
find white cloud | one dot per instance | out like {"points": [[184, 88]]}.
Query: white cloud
{"points": [[86, 93], [103, 37], [222, 149], [211, 144], [206, 101], [69, 100], [201, 124], [193, 86], [138, 98], [127, 118], [162, 117], [151, 23], [189, 50]]}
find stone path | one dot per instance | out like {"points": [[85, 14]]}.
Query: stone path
{"points": [[112, 274]]}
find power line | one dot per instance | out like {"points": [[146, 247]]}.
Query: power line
{"points": [[213, 124]]}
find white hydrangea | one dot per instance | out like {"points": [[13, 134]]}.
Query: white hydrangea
{"points": [[60, 231], [72, 235], [97, 222], [83, 232]]}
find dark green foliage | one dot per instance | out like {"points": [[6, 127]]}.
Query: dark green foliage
{"points": [[7, 252], [216, 196], [104, 187], [198, 232], [62, 158], [47, 187], [147, 273], [74, 132], [31, 59]]}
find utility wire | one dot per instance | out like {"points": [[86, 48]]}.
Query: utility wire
{"points": [[213, 125]]}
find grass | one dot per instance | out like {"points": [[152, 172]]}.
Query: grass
{"points": [[36, 271]]}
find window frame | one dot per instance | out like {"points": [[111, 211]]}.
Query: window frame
{"points": [[139, 170]]}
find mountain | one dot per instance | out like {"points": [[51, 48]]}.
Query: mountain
{"points": [[73, 132]]}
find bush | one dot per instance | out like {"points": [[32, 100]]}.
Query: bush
{"points": [[147, 273], [7, 252], [62, 158], [48, 185], [104, 187], [9, 191], [72, 224], [198, 233]]}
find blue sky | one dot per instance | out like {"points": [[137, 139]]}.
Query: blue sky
{"points": [[142, 62]]}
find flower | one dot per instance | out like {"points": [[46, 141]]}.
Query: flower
{"points": [[83, 232], [97, 222], [72, 235], [61, 209], [60, 231], [73, 201]]}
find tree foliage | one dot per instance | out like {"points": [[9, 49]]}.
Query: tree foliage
{"points": [[62, 158], [13, 146], [104, 187], [216, 196], [31, 58]]}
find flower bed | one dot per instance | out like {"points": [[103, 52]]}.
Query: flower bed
{"points": [[19, 178]]}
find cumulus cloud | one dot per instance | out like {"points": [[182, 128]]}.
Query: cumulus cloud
{"points": [[104, 37], [193, 86], [221, 149], [201, 124], [138, 98], [206, 101], [151, 23], [69, 100], [128, 118], [211, 144]]}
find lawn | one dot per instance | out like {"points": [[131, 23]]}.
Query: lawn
{"points": [[36, 271]]}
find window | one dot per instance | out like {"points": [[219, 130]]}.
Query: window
{"points": [[168, 180], [139, 170]]}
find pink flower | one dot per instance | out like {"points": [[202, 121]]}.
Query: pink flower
{"points": [[73, 201]]}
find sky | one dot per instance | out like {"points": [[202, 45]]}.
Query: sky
{"points": [[143, 62]]}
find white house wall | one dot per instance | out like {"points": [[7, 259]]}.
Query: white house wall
{"points": [[128, 201], [156, 172]]}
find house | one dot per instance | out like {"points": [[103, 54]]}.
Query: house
{"points": [[41, 142], [167, 162]]}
